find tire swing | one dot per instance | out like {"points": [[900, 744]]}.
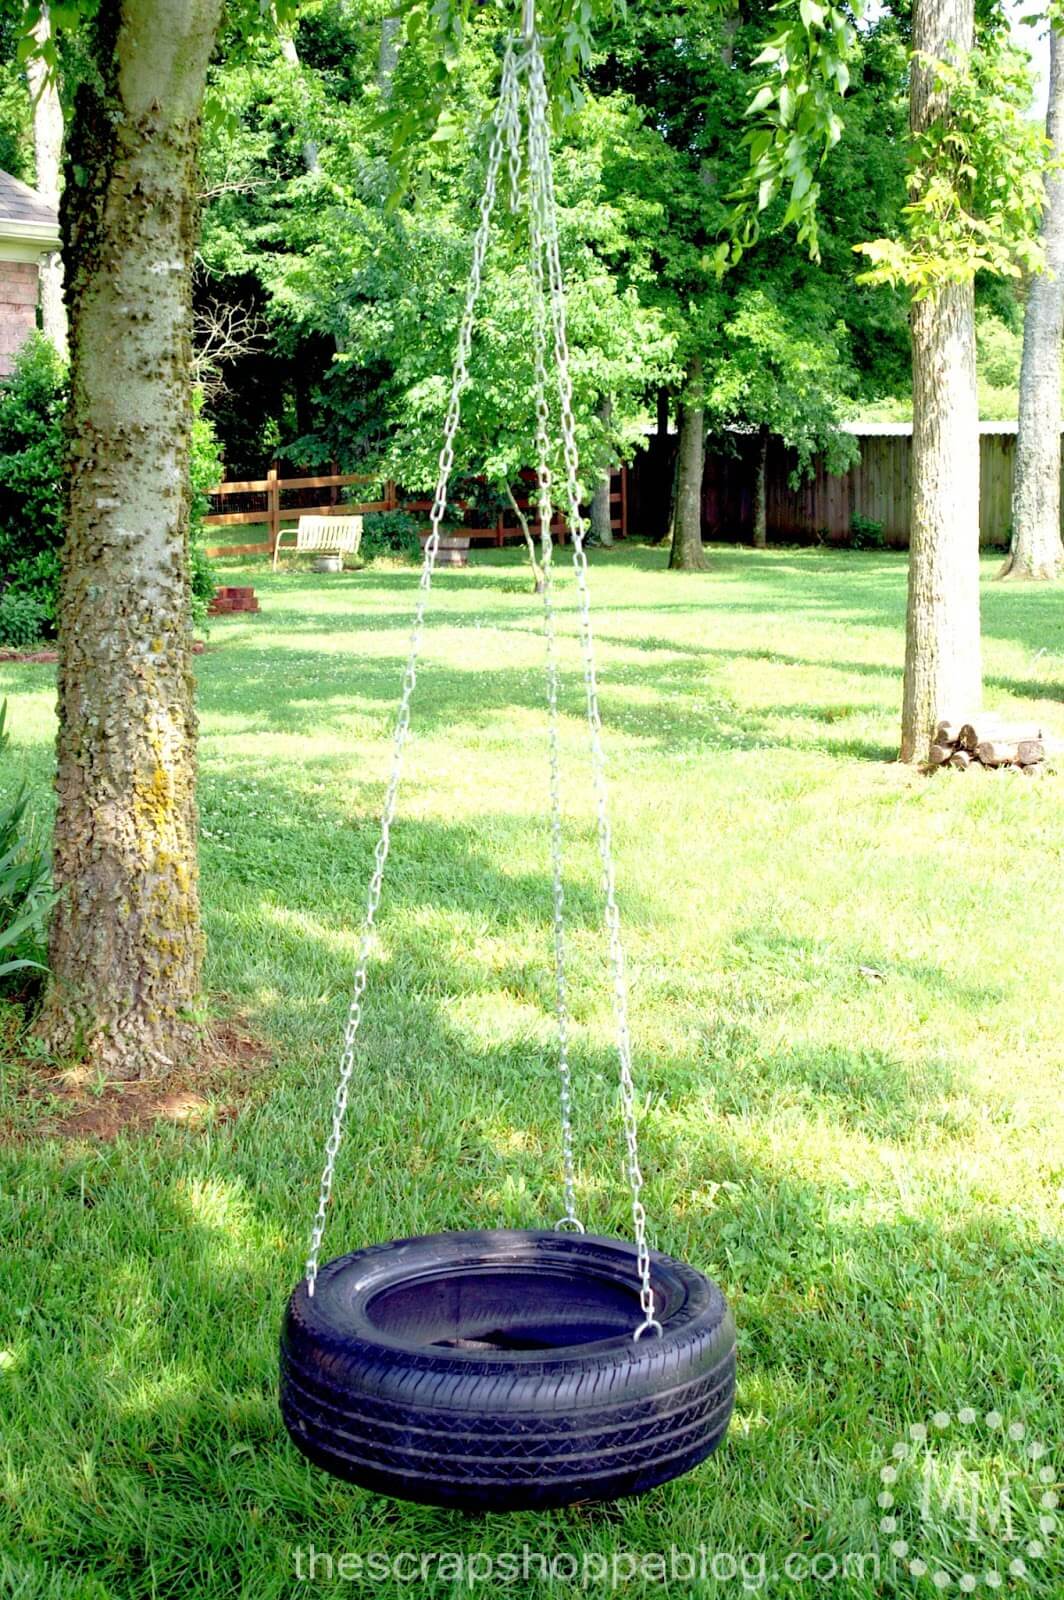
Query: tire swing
{"points": [[506, 1370]]}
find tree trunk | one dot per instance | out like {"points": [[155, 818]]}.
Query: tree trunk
{"points": [[687, 554], [530, 543], [291, 55], [943, 674], [1037, 551], [126, 941], [388, 54], [601, 510], [730, 25], [48, 149], [760, 491]]}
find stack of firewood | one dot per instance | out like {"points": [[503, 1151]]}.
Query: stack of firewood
{"points": [[988, 741]]}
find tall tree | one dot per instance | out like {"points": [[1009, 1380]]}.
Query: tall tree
{"points": [[943, 665], [1037, 551], [692, 74], [686, 554], [126, 941], [974, 196], [48, 149]]}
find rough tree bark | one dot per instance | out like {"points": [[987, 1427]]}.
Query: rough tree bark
{"points": [[48, 150], [126, 941], [943, 673], [687, 554], [761, 491], [1037, 551], [601, 510]]}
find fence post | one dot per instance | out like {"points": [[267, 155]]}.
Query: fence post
{"points": [[391, 496], [624, 500], [273, 511]]}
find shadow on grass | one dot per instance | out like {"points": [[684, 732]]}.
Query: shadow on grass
{"points": [[161, 1360], [283, 690]]}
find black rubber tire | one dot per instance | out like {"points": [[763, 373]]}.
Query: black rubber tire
{"points": [[497, 1371]]}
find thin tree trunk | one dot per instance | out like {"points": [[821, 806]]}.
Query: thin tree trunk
{"points": [[388, 54], [730, 25], [601, 511], [1037, 551], [291, 55], [943, 673], [48, 150], [530, 543], [760, 491], [126, 941], [687, 554], [665, 527]]}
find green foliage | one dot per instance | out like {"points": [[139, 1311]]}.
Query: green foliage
{"points": [[865, 533], [204, 463], [999, 351], [780, 370], [426, 103], [26, 897], [976, 179], [810, 59], [16, 116], [205, 470], [388, 287], [362, 300], [23, 619], [390, 533], [32, 494]]}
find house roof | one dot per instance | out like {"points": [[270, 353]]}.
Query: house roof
{"points": [[25, 215]]}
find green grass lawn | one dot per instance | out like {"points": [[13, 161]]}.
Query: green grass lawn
{"points": [[849, 1025]]}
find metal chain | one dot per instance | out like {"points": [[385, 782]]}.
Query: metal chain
{"points": [[544, 205], [546, 517], [508, 100]]}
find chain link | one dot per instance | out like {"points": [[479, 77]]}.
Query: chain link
{"points": [[546, 517], [549, 296], [544, 205], [508, 99]]}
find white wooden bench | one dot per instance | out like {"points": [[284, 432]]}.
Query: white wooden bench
{"points": [[324, 536]]}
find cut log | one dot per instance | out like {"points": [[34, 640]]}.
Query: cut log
{"points": [[998, 752], [1030, 751], [948, 733], [939, 754], [960, 759], [990, 729]]}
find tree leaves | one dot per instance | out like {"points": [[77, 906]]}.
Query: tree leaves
{"points": [[975, 179], [798, 115]]}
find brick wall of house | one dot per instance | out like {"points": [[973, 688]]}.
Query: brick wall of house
{"points": [[18, 308]]}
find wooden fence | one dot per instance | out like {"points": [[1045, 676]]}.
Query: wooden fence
{"points": [[877, 487], [279, 500]]}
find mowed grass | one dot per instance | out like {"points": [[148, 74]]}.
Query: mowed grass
{"points": [[848, 1014]]}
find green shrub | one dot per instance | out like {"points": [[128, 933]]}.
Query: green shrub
{"points": [[32, 495], [23, 620], [26, 896], [390, 533], [205, 470], [866, 533]]}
